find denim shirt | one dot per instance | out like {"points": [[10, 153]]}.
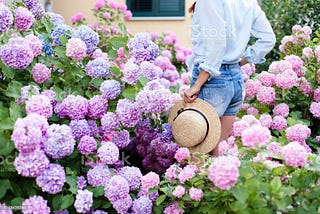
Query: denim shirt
{"points": [[221, 30]]}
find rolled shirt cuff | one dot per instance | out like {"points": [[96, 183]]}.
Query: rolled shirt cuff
{"points": [[251, 58], [213, 72]]}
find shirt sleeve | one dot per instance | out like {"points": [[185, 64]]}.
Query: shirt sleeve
{"points": [[210, 18], [262, 31]]}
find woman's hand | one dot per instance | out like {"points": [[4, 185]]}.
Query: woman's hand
{"points": [[191, 94]]}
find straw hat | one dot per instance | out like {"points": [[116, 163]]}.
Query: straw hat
{"points": [[195, 126]]}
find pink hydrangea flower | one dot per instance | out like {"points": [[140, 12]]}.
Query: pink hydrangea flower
{"points": [[187, 173], [182, 154], [195, 194], [252, 110], [40, 73], [108, 153], [255, 135], [296, 63], [35, 204], [238, 127], [39, 104], [266, 78], [279, 123], [150, 180], [286, 79], [298, 132], [266, 120], [304, 86], [252, 87], [224, 171], [315, 109], [281, 109], [173, 209], [179, 191], [76, 49], [266, 95], [274, 148], [277, 67], [77, 17], [316, 95], [294, 154], [172, 172], [99, 4], [307, 52]]}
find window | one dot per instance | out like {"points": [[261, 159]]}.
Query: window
{"points": [[156, 8]]}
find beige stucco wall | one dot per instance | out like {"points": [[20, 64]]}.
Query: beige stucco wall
{"points": [[181, 28]]}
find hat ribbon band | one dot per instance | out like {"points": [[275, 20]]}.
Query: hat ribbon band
{"points": [[196, 110]]}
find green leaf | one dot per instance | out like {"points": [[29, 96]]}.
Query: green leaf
{"points": [[96, 82], [15, 111], [72, 182], [4, 186], [275, 184], [122, 28], [56, 202], [240, 193], [143, 81], [98, 191], [3, 112], [6, 145], [181, 205], [8, 72], [17, 201], [237, 206], [115, 70], [130, 92], [118, 42], [14, 89], [67, 201], [63, 40], [160, 199], [6, 124]]}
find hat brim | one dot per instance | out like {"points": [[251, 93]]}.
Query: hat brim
{"points": [[213, 137]]}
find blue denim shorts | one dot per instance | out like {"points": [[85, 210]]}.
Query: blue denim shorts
{"points": [[225, 92]]}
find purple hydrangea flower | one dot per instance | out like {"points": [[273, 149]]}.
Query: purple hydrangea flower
{"points": [[98, 68], [84, 201], [128, 113], [98, 53], [23, 19], [30, 3], [35, 204], [39, 104], [6, 18], [3, 208], [109, 122], [17, 53], [150, 71], [94, 130], [27, 132], [79, 128], [98, 176], [38, 11], [40, 73], [87, 145], [131, 73], [117, 188], [31, 164], [26, 92], [59, 141], [142, 205], [108, 153], [152, 196], [123, 204], [110, 89], [82, 182], [55, 18], [76, 49], [97, 106], [121, 139], [133, 175], [52, 179], [89, 36], [142, 48], [61, 30], [50, 94], [76, 107], [99, 212], [35, 44], [61, 212]]}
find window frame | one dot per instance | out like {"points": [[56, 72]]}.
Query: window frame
{"points": [[155, 14]]}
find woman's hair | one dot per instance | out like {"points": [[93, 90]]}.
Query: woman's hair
{"points": [[191, 9]]}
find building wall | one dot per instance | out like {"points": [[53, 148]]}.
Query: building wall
{"points": [[181, 28]]}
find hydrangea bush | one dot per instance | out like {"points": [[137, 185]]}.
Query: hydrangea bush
{"points": [[83, 114]]}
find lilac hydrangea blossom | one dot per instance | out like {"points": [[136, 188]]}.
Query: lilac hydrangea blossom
{"points": [[128, 113], [110, 89], [3, 208], [79, 128], [84, 201], [142, 48], [98, 68], [31, 164], [23, 19], [109, 122], [142, 205], [39, 104], [117, 188], [133, 175], [6, 18], [108, 153], [40, 73], [82, 182], [52, 179], [30, 3], [38, 11], [98, 176], [86, 145], [89, 36], [121, 139], [75, 107], [61, 30], [17, 53], [35, 204], [97, 106], [35, 44], [131, 73], [59, 141]]}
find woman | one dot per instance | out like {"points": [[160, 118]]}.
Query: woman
{"points": [[220, 33]]}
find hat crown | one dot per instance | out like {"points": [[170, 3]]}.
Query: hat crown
{"points": [[192, 126]]}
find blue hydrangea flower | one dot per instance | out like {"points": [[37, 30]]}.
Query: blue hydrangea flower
{"points": [[61, 30], [6, 18], [89, 36]]}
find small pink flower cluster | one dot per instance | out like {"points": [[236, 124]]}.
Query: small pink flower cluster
{"points": [[294, 154]]}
